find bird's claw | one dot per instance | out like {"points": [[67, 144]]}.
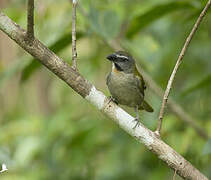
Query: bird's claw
{"points": [[112, 99], [137, 123]]}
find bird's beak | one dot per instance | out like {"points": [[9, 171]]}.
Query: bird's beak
{"points": [[111, 57]]}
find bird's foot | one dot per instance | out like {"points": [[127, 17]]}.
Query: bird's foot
{"points": [[157, 134], [110, 98], [137, 122]]}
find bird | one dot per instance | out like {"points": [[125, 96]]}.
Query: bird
{"points": [[126, 84]]}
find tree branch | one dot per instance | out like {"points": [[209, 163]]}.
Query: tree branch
{"points": [[179, 60], [99, 100], [74, 52], [30, 20]]}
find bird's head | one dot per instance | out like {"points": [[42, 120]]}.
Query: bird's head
{"points": [[122, 61]]}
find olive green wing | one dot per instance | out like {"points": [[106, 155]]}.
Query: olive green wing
{"points": [[141, 83], [142, 87], [146, 107]]}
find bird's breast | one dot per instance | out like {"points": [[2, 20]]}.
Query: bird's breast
{"points": [[124, 88]]}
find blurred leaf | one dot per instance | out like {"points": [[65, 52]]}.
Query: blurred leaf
{"points": [[110, 24], [26, 150], [205, 82], [80, 137], [207, 148], [153, 14], [105, 24], [15, 67], [56, 47], [93, 18]]}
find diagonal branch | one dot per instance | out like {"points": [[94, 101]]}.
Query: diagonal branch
{"points": [[99, 100], [179, 60], [74, 52], [30, 20]]}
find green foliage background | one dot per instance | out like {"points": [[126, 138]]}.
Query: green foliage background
{"points": [[47, 131]]}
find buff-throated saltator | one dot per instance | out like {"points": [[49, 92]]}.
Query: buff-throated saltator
{"points": [[126, 84]]}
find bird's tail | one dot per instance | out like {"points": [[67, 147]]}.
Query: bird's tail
{"points": [[146, 107]]}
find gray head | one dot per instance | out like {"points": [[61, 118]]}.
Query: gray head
{"points": [[123, 61]]}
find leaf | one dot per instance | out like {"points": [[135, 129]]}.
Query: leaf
{"points": [[93, 18], [17, 66], [56, 47], [26, 150], [153, 14], [207, 148], [80, 137], [205, 82], [110, 24], [105, 23]]}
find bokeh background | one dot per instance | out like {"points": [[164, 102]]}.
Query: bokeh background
{"points": [[47, 131]]}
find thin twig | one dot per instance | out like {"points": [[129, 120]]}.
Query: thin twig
{"points": [[179, 60], [30, 20], [74, 52]]}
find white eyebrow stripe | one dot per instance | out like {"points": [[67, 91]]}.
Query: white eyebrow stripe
{"points": [[121, 56]]}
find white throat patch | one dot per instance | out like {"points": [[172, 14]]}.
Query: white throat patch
{"points": [[113, 66]]}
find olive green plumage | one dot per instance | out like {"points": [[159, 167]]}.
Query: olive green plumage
{"points": [[125, 83]]}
